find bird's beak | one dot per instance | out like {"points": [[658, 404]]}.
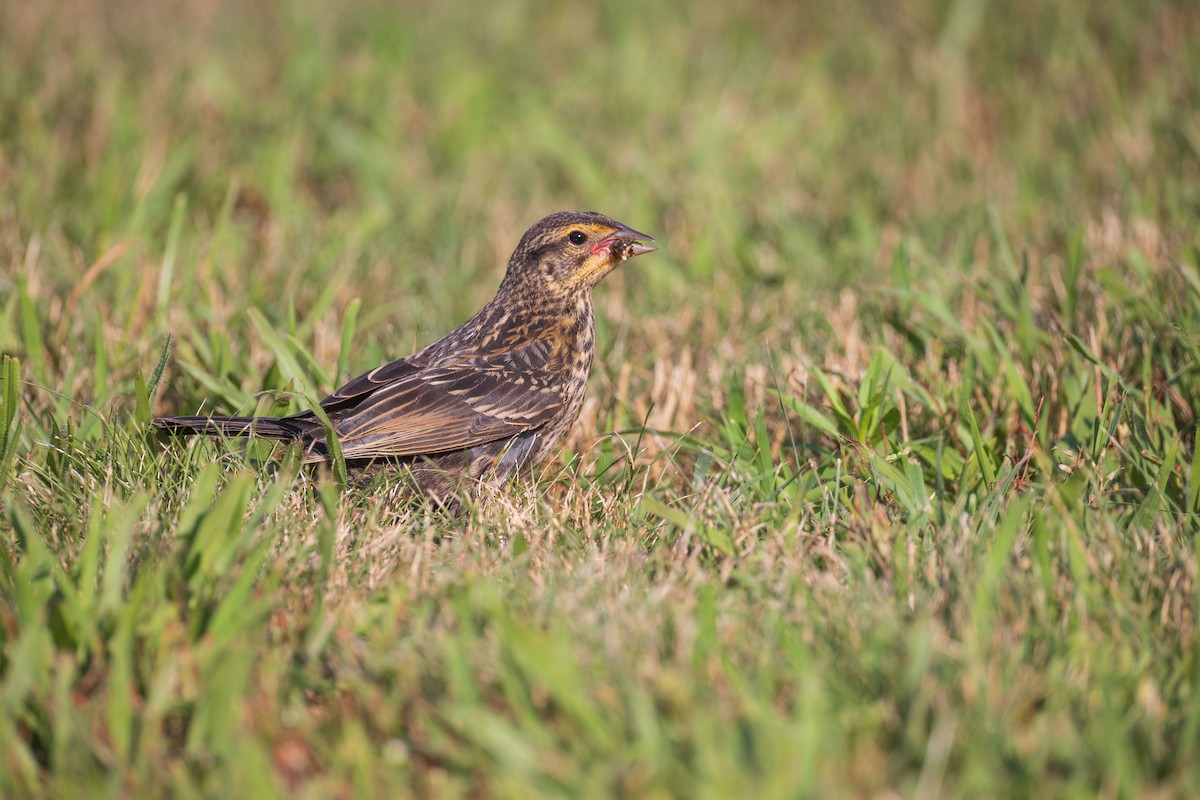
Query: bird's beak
{"points": [[625, 243]]}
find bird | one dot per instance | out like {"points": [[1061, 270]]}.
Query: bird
{"points": [[496, 394]]}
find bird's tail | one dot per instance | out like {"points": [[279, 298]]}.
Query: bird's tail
{"points": [[261, 427]]}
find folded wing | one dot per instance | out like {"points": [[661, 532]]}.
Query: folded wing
{"points": [[407, 409]]}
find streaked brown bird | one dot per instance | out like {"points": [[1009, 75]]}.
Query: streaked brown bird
{"points": [[497, 393]]}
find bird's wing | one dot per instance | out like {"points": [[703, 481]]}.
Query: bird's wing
{"points": [[368, 382], [451, 404]]}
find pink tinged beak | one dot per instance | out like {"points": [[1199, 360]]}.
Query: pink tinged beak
{"points": [[624, 243]]}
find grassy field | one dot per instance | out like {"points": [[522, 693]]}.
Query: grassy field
{"points": [[887, 484]]}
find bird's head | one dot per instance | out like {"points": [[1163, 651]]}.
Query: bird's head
{"points": [[570, 252]]}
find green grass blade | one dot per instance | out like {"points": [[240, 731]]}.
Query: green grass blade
{"points": [[337, 461], [1193, 506], [10, 422], [159, 368], [983, 457], [1149, 508]]}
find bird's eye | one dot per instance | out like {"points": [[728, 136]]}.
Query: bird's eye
{"points": [[577, 237]]}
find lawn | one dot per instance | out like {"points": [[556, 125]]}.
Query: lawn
{"points": [[887, 481]]}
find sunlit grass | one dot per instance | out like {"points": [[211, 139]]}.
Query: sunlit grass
{"points": [[887, 477]]}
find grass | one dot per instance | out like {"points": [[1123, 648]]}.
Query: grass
{"points": [[887, 483]]}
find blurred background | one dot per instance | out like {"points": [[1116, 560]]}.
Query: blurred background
{"points": [[303, 154]]}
